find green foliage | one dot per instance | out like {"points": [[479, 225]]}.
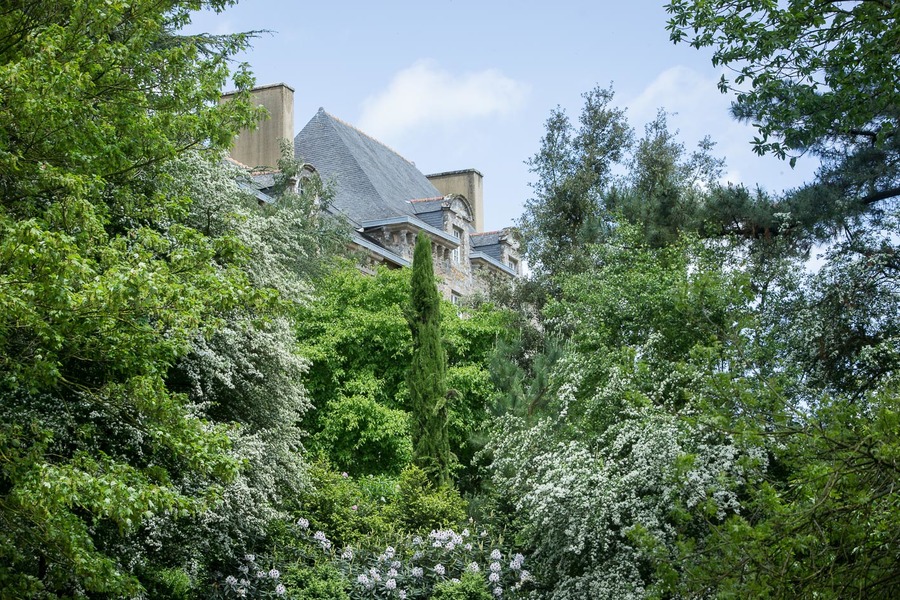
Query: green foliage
{"points": [[715, 426], [428, 370], [319, 582], [90, 103], [421, 507], [102, 287], [612, 473], [825, 421], [364, 436], [359, 344], [815, 78], [666, 192], [573, 169], [355, 327], [173, 583], [828, 529], [471, 586], [815, 71], [248, 370], [352, 509]]}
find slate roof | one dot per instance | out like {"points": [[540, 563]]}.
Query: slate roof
{"points": [[487, 238], [371, 181], [487, 243], [426, 205]]}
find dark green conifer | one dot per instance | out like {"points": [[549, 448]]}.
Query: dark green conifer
{"points": [[428, 370]]}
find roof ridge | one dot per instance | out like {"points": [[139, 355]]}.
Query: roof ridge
{"points": [[238, 163], [432, 199], [363, 133], [487, 232]]}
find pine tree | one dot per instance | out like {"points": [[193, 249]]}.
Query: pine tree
{"points": [[428, 370]]}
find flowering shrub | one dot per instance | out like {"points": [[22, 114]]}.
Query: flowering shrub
{"points": [[471, 586], [419, 565], [250, 581], [442, 564], [605, 520]]}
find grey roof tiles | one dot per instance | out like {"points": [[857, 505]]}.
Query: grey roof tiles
{"points": [[370, 180]]}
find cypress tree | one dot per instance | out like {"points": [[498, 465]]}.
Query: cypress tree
{"points": [[428, 370]]}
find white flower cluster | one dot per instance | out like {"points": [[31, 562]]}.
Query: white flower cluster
{"points": [[320, 537], [262, 582], [411, 568], [447, 538], [584, 498], [364, 581]]}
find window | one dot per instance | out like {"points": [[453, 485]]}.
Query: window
{"points": [[455, 298], [457, 252], [513, 264]]}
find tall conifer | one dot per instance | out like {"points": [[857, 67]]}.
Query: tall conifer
{"points": [[428, 370]]}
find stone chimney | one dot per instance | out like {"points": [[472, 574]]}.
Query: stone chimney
{"points": [[467, 182], [261, 147]]}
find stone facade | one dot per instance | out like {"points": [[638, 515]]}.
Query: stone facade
{"points": [[389, 202]]}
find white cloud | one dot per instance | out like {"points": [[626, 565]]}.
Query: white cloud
{"points": [[699, 110], [684, 91], [731, 176], [424, 94]]}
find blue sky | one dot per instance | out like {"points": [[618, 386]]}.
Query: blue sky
{"points": [[461, 84]]}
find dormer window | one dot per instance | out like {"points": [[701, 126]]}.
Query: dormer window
{"points": [[457, 252], [513, 264]]}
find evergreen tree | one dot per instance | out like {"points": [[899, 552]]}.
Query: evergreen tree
{"points": [[815, 79], [574, 170], [428, 370]]}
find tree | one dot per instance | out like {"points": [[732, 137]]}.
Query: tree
{"points": [[666, 191], [356, 337], [813, 77], [428, 370], [614, 474], [573, 169], [247, 371], [102, 286]]}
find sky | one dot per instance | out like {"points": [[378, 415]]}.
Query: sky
{"points": [[458, 84]]}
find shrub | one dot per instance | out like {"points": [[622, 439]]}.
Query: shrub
{"points": [[363, 436], [421, 506], [471, 586], [350, 509]]}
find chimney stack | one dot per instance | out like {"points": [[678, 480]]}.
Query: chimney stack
{"points": [[469, 183], [261, 147]]}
